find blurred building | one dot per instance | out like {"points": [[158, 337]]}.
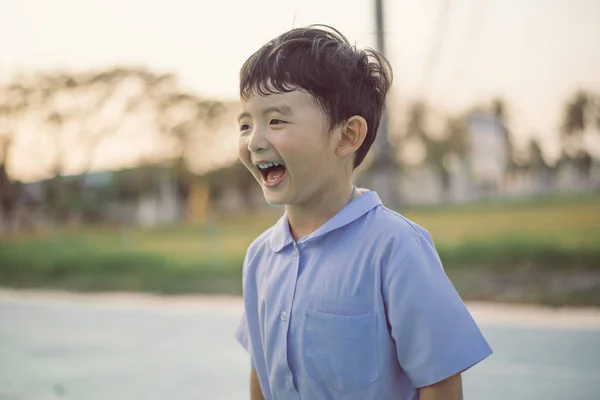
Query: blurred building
{"points": [[486, 172], [154, 195]]}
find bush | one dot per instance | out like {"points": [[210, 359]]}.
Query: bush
{"points": [[84, 269], [512, 254], [499, 270]]}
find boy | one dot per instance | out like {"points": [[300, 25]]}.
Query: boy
{"points": [[344, 299]]}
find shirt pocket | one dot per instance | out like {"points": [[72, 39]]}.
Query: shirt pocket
{"points": [[341, 351]]}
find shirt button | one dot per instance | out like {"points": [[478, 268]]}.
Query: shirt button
{"points": [[284, 316], [295, 252]]}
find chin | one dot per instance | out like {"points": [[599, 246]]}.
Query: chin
{"points": [[274, 199]]}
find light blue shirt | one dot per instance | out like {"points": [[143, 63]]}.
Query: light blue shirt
{"points": [[359, 309]]}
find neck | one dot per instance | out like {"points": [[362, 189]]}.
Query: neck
{"points": [[325, 204]]}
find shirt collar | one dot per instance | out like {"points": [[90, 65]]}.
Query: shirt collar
{"points": [[282, 237]]}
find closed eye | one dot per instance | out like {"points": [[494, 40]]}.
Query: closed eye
{"points": [[277, 122]]}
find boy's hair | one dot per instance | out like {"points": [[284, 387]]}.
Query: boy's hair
{"points": [[343, 80]]}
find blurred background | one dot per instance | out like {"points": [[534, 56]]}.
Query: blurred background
{"points": [[119, 173]]}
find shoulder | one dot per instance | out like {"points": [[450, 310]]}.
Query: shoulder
{"points": [[384, 223], [401, 242]]}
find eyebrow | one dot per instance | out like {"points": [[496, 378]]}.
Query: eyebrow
{"points": [[282, 109]]}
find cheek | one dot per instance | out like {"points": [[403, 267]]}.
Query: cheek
{"points": [[299, 142], [243, 152], [308, 157], [320, 149]]}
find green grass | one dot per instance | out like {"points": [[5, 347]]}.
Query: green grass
{"points": [[493, 251], [76, 265], [574, 223]]}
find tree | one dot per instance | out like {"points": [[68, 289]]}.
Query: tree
{"points": [[184, 120], [499, 112], [437, 149], [89, 107], [75, 112], [457, 136], [581, 112], [8, 198], [14, 100], [575, 121], [536, 161]]}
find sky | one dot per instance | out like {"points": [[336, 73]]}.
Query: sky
{"points": [[534, 53]]}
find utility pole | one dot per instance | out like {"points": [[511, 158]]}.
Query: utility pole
{"points": [[381, 175], [381, 144], [379, 22]]}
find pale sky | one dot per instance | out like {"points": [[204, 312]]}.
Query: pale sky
{"points": [[534, 53]]}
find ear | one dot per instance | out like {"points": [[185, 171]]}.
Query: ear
{"points": [[353, 135]]}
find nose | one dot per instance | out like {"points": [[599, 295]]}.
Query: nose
{"points": [[258, 141]]}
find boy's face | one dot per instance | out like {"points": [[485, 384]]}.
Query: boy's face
{"points": [[290, 130]]}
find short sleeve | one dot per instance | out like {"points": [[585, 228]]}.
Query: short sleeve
{"points": [[242, 335], [435, 335]]}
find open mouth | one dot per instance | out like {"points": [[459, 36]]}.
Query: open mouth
{"points": [[272, 173]]}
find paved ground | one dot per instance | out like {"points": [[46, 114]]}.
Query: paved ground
{"points": [[97, 348]]}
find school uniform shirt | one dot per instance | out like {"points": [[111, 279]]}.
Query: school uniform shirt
{"points": [[359, 309]]}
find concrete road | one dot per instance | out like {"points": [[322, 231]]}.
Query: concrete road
{"points": [[83, 347]]}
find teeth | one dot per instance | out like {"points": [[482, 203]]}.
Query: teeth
{"points": [[267, 165]]}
